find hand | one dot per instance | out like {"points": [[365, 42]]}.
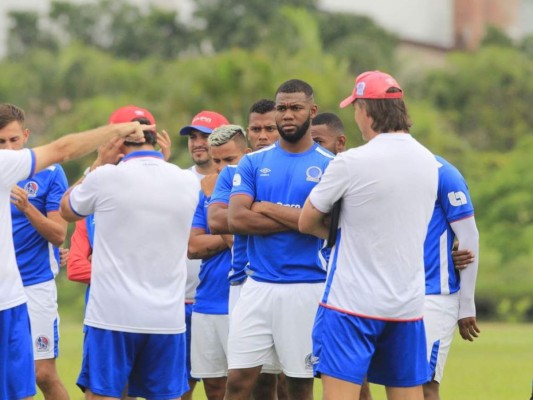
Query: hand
{"points": [[109, 153], [133, 131], [163, 140], [63, 257], [468, 328], [258, 206], [19, 197], [462, 258], [208, 184]]}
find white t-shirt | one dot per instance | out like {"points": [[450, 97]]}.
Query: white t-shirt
{"points": [[193, 266], [388, 189], [14, 166], [143, 208]]}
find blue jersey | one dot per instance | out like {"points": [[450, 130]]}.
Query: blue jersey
{"points": [[275, 175], [239, 257], [212, 294], [453, 204], [37, 259]]}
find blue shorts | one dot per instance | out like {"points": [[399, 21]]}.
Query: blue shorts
{"points": [[17, 371], [188, 323], [348, 347], [152, 365]]}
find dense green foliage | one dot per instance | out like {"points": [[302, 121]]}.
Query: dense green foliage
{"points": [[475, 110]]}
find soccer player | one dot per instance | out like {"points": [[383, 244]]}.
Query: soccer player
{"points": [[17, 371], [274, 314], [449, 293], [143, 209], [38, 231], [210, 323], [197, 132], [327, 130], [370, 319]]}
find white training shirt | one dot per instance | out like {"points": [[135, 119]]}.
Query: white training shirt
{"points": [[14, 166], [388, 189], [143, 208]]}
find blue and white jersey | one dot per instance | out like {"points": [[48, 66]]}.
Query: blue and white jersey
{"points": [[453, 204], [275, 175], [37, 259], [239, 256], [212, 294]]}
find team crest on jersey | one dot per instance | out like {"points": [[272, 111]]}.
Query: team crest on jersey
{"points": [[313, 174], [42, 343], [237, 180], [31, 188]]}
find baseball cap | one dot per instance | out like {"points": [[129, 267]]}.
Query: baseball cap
{"points": [[373, 85], [205, 121], [129, 113]]}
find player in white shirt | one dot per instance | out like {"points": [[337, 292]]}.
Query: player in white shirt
{"points": [[17, 375], [143, 208], [370, 319]]}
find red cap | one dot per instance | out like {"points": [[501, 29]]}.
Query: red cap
{"points": [[373, 85], [129, 113], [205, 121]]}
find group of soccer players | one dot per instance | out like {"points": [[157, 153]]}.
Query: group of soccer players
{"points": [[270, 304]]}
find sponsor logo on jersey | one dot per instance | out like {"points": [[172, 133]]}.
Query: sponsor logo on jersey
{"points": [[457, 199], [310, 360], [313, 174], [265, 171], [237, 180], [42, 343], [31, 188]]}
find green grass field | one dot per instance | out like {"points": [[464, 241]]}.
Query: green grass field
{"points": [[498, 366]]}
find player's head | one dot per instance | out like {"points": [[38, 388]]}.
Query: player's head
{"points": [[13, 134], [227, 145], [295, 108], [378, 96], [198, 131], [327, 130], [262, 130], [133, 113]]}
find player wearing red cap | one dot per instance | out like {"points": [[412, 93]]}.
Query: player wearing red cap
{"points": [[370, 319]]}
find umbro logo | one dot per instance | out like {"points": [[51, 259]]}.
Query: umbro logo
{"points": [[265, 171]]}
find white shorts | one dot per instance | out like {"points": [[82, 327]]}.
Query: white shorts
{"points": [[441, 313], [234, 294], [209, 345], [274, 322], [44, 319]]}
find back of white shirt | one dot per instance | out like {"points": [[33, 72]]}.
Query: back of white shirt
{"points": [[14, 166], [388, 189], [143, 209]]}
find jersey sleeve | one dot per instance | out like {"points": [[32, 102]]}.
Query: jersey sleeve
{"points": [[244, 179], [83, 197], [78, 263], [58, 187], [453, 195], [332, 186], [223, 187], [15, 166], [199, 220]]}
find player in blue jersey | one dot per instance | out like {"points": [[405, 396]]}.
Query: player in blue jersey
{"points": [[370, 318], [38, 231], [17, 370], [274, 314], [327, 130], [197, 132], [227, 144], [449, 293]]}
